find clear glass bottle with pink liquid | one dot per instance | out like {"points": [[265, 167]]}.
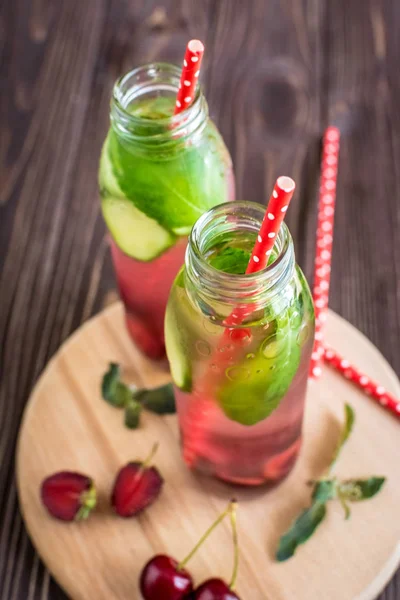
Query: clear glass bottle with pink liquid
{"points": [[158, 173], [241, 389]]}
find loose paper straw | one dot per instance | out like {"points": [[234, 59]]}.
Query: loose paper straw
{"points": [[190, 75], [365, 383], [326, 212]]}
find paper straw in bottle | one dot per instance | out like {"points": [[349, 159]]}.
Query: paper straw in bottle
{"points": [[190, 75], [274, 216]]}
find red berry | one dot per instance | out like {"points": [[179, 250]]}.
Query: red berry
{"points": [[214, 589], [68, 496], [135, 488], [162, 580]]}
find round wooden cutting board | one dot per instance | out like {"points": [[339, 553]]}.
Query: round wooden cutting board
{"points": [[68, 426]]}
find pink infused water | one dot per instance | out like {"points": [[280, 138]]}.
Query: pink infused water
{"points": [[265, 453], [144, 288]]}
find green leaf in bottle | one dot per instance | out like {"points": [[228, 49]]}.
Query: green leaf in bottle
{"points": [[231, 260], [261, 383]]}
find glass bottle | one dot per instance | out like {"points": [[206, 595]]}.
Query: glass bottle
{"points": [[240, 389], [158, 173]]}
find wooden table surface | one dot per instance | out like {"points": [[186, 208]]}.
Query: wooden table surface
{"points": [[275, 74]]}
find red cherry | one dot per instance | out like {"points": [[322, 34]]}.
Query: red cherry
{"points": [[214, 589], [162, 580]]}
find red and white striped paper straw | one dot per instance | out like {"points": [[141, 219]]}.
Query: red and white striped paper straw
{"points": [[365, 383], [326, 212], [190, 75], [274, 215]]}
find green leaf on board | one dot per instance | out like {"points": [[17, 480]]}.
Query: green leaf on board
{"points": [[160, 400], [325, 490], [132, 414], [355, 490], [301, 530], [346, 431], [345, 506], [113, 390]]}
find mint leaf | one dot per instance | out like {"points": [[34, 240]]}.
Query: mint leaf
{"points": [[132, 414], [355, 490], [301, 530], [178, 185], [231, 260], [113, 390], [251, 398], [325, 490], [159, 400], [346, 430], [123, 395]]}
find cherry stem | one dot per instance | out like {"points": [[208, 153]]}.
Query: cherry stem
{"points": [[150, 457], [146, 462], [231, 507]]}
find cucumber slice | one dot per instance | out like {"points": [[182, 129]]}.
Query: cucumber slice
{"points": [[177, 348], [136, 234], [108, 183]]}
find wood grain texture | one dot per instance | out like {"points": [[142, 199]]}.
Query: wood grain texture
{"points": [[68, 426], [276, 73]]}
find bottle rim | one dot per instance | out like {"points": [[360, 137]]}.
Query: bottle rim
{"points": [[234, 287], [146, 79]]}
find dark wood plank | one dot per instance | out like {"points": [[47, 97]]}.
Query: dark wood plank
{"points": [[275, 74]]}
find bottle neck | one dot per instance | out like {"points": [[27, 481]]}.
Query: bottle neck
{"points": [[222, 288], [145, 84]]}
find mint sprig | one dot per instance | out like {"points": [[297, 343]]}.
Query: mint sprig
{"points": [[159, 400], [231, 260], [325, 490]]}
